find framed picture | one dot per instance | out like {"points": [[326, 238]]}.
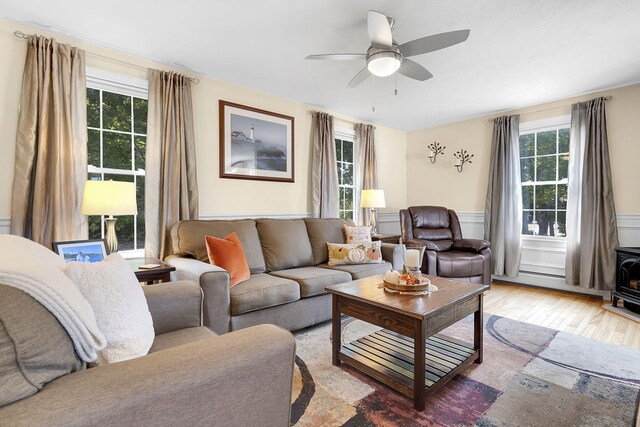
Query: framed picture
{"points": [[255, 144], [81, 250]]}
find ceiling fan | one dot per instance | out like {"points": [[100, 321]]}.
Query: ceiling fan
{"points": [[385, 56]]}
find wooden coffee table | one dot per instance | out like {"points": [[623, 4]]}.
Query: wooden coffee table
{"points": [[408, 355]]}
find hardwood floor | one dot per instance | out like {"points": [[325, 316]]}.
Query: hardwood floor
{"points": [[564, 311]]}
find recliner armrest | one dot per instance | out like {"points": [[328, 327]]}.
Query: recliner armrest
{"points": [[432, 245], [472, 245]]}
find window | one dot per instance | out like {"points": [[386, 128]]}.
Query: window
{"points": [[544, 165], [117, 137], [346, 177]]}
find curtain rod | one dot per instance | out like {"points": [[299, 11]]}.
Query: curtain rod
{"points": [[22, 36], [606, 98]]}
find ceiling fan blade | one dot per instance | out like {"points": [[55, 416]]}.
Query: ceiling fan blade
{"points": [[359, 78], [339, 56], [414, 70], [433, 43], [379, 29]]}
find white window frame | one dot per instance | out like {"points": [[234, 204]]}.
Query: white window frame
{"points": [[349, 135], [537, 126], [129, 86]]}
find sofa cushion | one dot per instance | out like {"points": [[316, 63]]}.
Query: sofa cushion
{"points": [[179, 337], [361, 234], [34, 347], [188, 239], [228, 254], [313, 280], [262, 291], [359, 271], [355, 253], [460, 264], [285, 243], [324, 230]]}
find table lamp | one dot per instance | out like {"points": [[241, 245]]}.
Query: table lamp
{"points": [[372, 199], [109, 198]]}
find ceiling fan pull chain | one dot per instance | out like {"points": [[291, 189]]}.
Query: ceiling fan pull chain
{"points": [[395, 92]]}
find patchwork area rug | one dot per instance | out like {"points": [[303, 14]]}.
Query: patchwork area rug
{"points": [[531, 376]]}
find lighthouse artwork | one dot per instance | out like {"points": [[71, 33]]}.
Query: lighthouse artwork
{"points": [[255, 144]]}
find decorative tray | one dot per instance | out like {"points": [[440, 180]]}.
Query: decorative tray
{"points": [[422, 289]]}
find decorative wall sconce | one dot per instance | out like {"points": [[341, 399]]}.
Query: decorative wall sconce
{"points": [[434, 150], [462, 158]]}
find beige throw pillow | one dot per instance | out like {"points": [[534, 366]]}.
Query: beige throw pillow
{"points": [[355, 253], [361, 234]]}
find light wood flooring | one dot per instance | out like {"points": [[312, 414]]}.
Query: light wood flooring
{"points": [[564, 311]]}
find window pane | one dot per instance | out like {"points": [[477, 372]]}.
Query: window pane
{"points": [[140, 115], [348, 215], [563, 140], [546, 168], [338, 150], [341, 207], [95, 177], [527, 217], [562, 223], [93, 108], [546, 219], [546, 197], [527, 145], [526, 169], [140, 216], [140, 150], [348, 195], [562, 196], [116, 111], [95, 228], [347, 173], [546, 143], [347, 151], [527, 196], [117, 150], [563, 166], [93, 148], [125, 232]]}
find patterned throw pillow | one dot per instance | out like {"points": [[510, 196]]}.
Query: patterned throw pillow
{"points": [[360, 234], [355, 253]]}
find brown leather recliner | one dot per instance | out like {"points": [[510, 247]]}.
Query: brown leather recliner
{"points": [[447, 254]]}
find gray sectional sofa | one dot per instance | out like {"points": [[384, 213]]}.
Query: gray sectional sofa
{"points": [[289, 270]]}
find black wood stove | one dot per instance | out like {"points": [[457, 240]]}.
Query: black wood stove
{"points": [[628, 278]]}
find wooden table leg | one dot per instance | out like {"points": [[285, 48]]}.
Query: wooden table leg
{"points": [[419, 349], [336, 331], [478, 330]]}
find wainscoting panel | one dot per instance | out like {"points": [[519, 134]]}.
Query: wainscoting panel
{"points": [[5, 224]]}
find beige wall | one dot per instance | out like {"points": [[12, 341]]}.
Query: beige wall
{"points": [[441, 184], [217, 196]]}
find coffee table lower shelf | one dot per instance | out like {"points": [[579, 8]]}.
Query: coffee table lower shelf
{"points": [[388, 357]]}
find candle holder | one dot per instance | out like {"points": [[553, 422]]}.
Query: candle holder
{"points": [[462, 157], [434, 150]]}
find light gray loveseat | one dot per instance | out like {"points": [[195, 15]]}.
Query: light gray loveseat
{"points": [[289, 270]]}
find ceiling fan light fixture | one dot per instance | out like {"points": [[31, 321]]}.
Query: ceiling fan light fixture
{"points": [[385, 63]]}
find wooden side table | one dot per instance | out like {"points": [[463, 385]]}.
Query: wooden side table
{"points": [[151, 275], [387, 238]]}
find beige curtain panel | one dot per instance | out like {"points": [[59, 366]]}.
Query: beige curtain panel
{"points": [[324, 169], [503, 207], [592, 231], [51, 145], [365, 144], [171, 190]]}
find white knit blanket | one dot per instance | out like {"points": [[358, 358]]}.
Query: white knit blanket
{"points": [[39, 272]]}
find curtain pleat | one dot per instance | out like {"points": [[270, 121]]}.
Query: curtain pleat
{"points": [[51, 145], [592, 232], [365, 144], [171, 190], [324, 169], [503, 208]]}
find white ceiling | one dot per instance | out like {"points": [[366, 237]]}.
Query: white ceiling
{"points": [[519, 53]]}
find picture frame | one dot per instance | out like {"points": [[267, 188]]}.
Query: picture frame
{"points": [[94, 250], [256, 144]]}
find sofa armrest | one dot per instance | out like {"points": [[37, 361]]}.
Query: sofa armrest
{"points": [[239, 379], [394, 254], [472, 245], [214, 282], [174, 305]]}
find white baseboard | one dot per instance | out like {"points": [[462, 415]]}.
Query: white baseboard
{"points": [[549, 282]]}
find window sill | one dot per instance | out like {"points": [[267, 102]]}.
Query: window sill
{"points": [[532, 238], [138, 253]]}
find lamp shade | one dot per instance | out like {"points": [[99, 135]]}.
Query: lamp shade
{"points": [[109, 198], [372, 199]]}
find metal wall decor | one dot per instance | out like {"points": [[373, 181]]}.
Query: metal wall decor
{"points": [[434, 150], [462, 157]]}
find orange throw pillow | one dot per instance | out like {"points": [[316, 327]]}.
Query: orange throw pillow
{"points": [[228, 254]]}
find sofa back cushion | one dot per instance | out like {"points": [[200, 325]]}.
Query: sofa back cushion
{"points": [[322, 231], [285, 243], [34, 347], [188, 239]]}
